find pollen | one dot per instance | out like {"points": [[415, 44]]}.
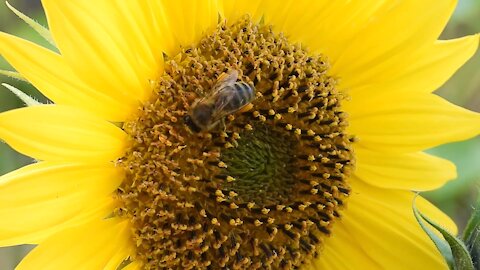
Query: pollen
{"points": [[263, 190]]}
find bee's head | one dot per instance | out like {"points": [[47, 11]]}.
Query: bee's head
{"points": [[190, 124]]}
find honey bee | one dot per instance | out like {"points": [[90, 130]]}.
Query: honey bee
{"points": [[226, 97]]}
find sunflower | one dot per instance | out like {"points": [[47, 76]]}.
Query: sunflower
{"points": [[316, 171]]}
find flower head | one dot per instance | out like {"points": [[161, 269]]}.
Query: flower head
{"points": [[314, 170]]}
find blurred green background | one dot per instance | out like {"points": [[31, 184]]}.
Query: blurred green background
{"points": [[456, 198]]}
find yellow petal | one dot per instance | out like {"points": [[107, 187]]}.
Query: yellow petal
{"points": [[340, 252], [422, 70], [161, 27], [135, 265], [410, 123], [190, 20], [121, 254], [54, 132], [232, 10], [396, 31], [381, 222], [358, 34], [91, 246], [412, 171], [99, 42], [321, 26], [48, 72], [38, 199], [138, 23], [103, 207]]}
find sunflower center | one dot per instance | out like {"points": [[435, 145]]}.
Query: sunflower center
{"points": [[263, 165], [258, 188]]}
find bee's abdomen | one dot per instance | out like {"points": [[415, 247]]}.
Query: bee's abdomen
{"points": [[244, 94]]}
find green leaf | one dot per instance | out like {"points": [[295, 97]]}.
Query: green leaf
{"points": [[452, 249], [474, 221], [12, 74], [473, 245], [441, 244], [28, 100], [40, 29], [461, 256], [471, 235]]}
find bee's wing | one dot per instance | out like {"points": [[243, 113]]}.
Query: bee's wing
{"points": [[223, 80], [227, 78], [221, 95], [223, 99], [220, 88]]}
